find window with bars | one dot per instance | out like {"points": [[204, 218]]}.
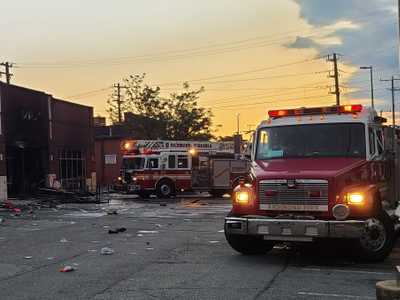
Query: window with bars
{"points": [[72, 165]]}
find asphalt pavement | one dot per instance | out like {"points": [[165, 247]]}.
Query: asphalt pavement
{"points": [[170, 250]]}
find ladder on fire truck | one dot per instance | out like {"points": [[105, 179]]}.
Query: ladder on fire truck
{"points": [[177, 146]]}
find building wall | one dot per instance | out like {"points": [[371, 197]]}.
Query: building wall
{"points": [[72, 129], [107, 168], [34, 127]]}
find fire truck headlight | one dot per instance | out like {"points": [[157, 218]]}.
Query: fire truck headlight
{"points": [[340, 212], [355, 198], [242, 197], [192, 151], [134, 178], [119, 178]]}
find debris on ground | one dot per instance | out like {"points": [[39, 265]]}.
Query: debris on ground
{"points": [[213, 242], [148, 231], [163, 204], [67, 269], [63, 240], [117, 230], [28, 257], [149, 248], [107, 251], [112, 211]]}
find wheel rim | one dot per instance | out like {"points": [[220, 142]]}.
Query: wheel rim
{"points": [[373, 236], [165, 189]]}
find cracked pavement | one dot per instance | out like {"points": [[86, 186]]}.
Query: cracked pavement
{"points": [[177, 251]]}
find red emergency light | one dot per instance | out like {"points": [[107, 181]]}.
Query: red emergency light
{"points": [[341, 109]]}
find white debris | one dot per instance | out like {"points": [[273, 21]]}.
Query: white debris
{"points": [[221, 231], [148, 231], [213, 242], [149, 248], [107, 251], [28, 257], [63, 240]]}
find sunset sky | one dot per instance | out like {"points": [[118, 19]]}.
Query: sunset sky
{"points": [[250, 56]]}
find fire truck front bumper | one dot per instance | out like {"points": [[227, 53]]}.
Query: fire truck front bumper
{"points": [[293, 230]]}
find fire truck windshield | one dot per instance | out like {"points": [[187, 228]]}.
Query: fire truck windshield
{"points": [[311, 140], [133, 163]]}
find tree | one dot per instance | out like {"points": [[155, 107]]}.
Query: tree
{"points": [[187, 120], [154, 117]]}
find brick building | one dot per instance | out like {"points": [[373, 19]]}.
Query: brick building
{"points": [[44, 141]]}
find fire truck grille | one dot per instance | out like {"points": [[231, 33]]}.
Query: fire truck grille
{"points": [[295, 195]]}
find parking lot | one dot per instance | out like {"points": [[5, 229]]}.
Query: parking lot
{"points": [[170, 250]]}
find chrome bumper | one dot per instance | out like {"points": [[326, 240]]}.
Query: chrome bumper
{"points": [[293, 230]]}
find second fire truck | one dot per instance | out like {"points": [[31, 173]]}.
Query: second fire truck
{"points": [[168, 167]]}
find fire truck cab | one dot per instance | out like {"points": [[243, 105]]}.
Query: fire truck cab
{"points": [[170, 167], [319, 173]]}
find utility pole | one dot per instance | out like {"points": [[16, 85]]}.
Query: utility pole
{"points": [[119, 100], [336, 77], [393, 90], [7, 66], [237, 121], [371, 76]]}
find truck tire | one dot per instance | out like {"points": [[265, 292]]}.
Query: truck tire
{"points": [[165, 189], [248, 245], [377, 240]]}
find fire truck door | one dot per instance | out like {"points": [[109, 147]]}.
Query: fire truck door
{"points": [[201, 172], [221, 173]]}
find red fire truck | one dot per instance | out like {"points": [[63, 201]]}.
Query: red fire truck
{"points": [[169, 167], [319, 173]]}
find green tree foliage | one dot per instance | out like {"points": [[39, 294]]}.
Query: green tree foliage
{"points": [[187, 119], [155, 117]]}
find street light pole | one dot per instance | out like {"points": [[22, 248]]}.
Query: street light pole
{"points": [[371, 74]]}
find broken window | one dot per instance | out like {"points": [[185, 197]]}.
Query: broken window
{"points": [[72, 165]]}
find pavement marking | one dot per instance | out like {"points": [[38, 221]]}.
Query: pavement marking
{"points": [[341, 296], [347, 271]]}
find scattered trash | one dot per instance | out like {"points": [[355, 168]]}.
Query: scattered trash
{"points": [[148, 231], [17, 211], [106, 226], [67, 269], [107, 251], [163, 204], [34, 224], [63, 240], [140, 234], [117, 230], [158, 225], [1, 220], [147, 243], [213, 242], [221, 231], [28, 257], [50, 258], [149, 248], [112, 211]]}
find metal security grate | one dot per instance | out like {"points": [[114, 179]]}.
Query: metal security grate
{"points": [[297, 195]]}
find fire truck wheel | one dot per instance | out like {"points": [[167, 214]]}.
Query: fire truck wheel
{"points": [[249, 245], [165, 189], [377, 239]]}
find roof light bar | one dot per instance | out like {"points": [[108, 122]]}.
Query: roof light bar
{"points": [[342, 109]]}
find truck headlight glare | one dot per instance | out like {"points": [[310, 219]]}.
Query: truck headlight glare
{"points": [[242, 197], [119, 178], [355, 198], [134, 178]]}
